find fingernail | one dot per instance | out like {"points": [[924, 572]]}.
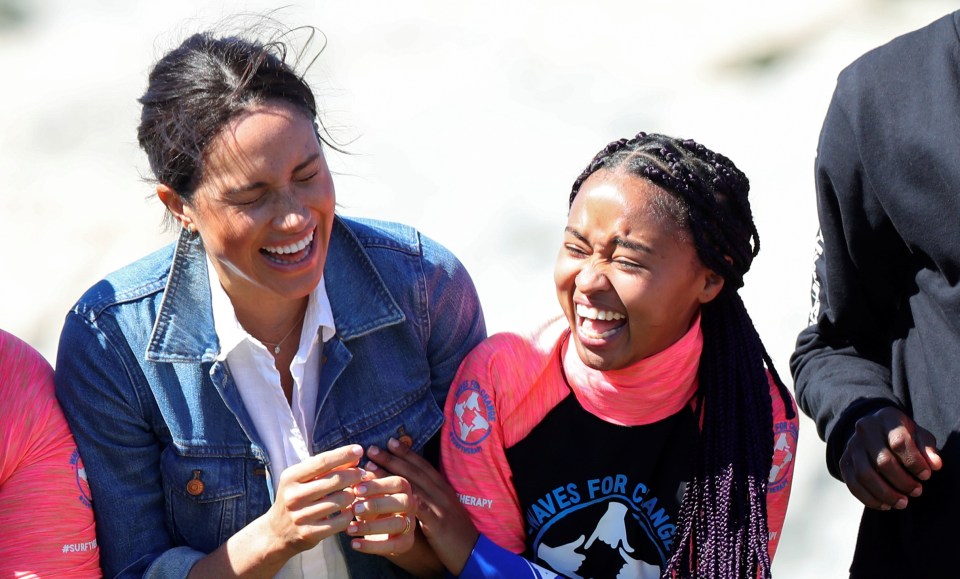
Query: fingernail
{"points": [[924, 475], [357, 450], [917, 492], [372, 466], [362, 490], [363, 473], [352, 528], [884, 507], [393, 443], [373, 451], [901, 504], [359, 508], [355, 544]]}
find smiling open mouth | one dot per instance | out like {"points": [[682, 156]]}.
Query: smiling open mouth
{"points": [[597, 324], [292, 253]]}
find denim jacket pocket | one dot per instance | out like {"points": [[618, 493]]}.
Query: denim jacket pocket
{"points": [[414, 420], [204, 498]]}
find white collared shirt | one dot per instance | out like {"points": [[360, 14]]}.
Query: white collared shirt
{"points": [[285, 429]]}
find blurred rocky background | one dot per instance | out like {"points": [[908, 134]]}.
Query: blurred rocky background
{"points": [[469, 120]]}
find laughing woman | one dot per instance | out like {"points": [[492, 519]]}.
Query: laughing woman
{"points": [[645, 432], [222, 389]]}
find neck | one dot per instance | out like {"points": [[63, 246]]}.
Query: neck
{"points": [[272, 323], [644, 392]]}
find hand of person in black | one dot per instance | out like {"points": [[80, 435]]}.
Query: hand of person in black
{"points": [[887, 459]]}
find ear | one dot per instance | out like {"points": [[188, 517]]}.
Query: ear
{"points": [[176, 206], [712, 284]]}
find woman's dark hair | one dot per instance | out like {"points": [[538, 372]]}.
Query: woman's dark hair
{"points": [[200, 86], [723, 528]]}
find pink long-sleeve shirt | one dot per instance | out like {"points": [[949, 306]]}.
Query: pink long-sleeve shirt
{"points": [[45, 508], [509, 383]]}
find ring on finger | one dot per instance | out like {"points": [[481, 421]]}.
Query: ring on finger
{"points": [[407, 525]]}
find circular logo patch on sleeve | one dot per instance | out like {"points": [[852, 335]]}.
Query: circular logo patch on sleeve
{"points": [[81, 476], [473, 415], [784, 443]]}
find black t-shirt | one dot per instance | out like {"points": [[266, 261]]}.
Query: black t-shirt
{"points": [[598, 497]]}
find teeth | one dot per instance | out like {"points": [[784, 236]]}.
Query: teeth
{"points": [[292, 248], [596, 336], [595, 314]]}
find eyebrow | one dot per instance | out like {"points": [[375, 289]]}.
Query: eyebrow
{"points": [[259, 184], [632, 245]]}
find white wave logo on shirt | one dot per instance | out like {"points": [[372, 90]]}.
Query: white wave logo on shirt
{"points": [[581, 531], [474, 413], [76, 463]]}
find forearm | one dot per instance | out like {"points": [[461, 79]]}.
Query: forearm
{"points": [[252, 552], [837, 385]]}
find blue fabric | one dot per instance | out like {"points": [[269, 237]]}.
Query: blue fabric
{"points": [[151, 409], [491, 561]]}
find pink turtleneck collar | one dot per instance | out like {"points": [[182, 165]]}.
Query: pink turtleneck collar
{"points": [[643, 393]]}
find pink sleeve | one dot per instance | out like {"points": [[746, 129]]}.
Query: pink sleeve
{"points": [[45, 509], [785, 433], [472, 450]]}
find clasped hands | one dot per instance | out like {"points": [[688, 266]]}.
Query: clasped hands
{"points": [[329, 493]]}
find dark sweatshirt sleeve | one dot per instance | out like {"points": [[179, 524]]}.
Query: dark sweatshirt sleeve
{"points": [[841, 366]]}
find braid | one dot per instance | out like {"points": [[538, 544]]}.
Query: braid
{"points": [[723, 528], [598, 162]]}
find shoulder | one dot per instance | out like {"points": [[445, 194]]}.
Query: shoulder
{"points": [[382, 238], [31, 423], [143, 278], [377, 234], [23, 371], [509, 364], [916, 58]]}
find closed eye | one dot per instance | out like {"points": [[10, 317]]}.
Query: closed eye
{"points": [[626, 264], [249, 197], [307, 178], [309, 168], [575, 251]]}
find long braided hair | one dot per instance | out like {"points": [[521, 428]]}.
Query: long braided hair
{"points": [[723, 528]]}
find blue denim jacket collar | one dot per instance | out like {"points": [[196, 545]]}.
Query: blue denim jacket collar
{"points": [[366, 307]]}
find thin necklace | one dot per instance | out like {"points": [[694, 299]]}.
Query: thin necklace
{"points": [[276, 346]]}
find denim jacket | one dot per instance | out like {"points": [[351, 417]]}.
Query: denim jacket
{"points": [[174, 462]]}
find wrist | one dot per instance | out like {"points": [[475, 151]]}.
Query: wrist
{"points": [[261, 537], [486, 561], [457, 558], [846, 424]]}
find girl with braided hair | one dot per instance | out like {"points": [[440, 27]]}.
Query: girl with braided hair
{"points": [[643, 434]]}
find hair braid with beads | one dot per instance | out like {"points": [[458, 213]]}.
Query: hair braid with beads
{"points": [[723, 528]]}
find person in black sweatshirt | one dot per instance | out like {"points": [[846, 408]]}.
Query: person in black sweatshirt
{"points": [[878, 368]]}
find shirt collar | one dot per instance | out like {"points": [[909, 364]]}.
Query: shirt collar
{"points": [[318, 318], [359, 298]]}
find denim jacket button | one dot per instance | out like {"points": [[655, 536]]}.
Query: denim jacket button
{"points": [[195, 485], [404, 438]]}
